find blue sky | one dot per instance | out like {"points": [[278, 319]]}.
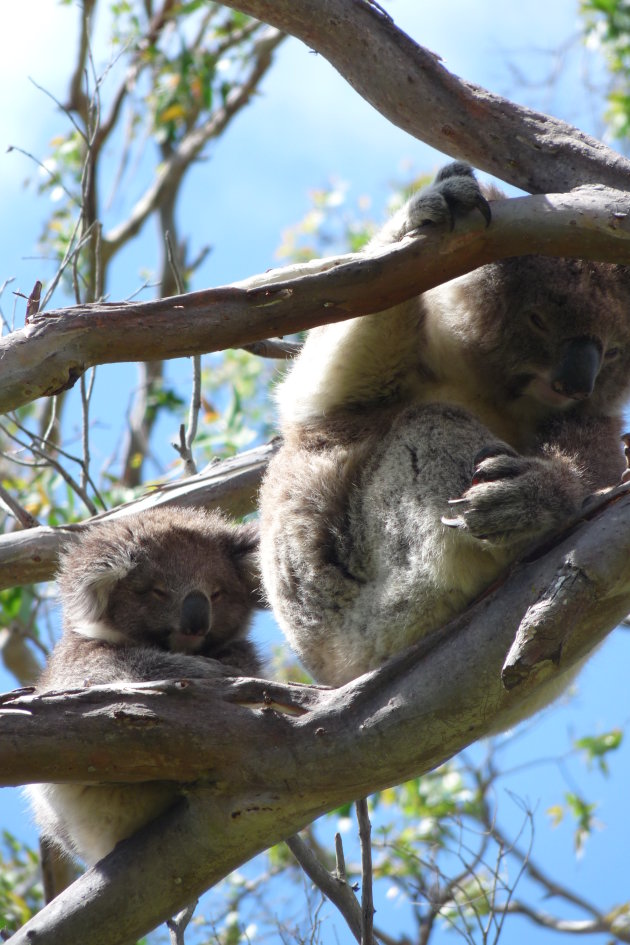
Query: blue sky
{"points": [[307, 128]]}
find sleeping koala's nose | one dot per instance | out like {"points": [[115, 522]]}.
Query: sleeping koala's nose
{"points": [[195, 617]]}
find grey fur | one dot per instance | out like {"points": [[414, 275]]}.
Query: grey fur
{"points": [[427, 446], [167, 593]]}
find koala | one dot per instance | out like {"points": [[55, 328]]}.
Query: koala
{"points": [[425, 447], [166, 593]]}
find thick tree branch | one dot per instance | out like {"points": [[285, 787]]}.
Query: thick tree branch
{"points": [[49, 353], [261, 773], [411, 87], [232, 485]]}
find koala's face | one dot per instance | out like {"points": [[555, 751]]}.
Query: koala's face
{"points": [[174, 579], [556, 331]]}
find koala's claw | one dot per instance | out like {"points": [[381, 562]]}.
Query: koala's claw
{"points": [[491, 465], [459, 521]]}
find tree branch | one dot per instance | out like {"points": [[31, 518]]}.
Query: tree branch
{"points": [[333, 887], [49, 353], [411, 87], [31, 555], [262, 774]]}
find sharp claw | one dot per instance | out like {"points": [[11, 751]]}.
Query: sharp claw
{"points": [[459, 502], [453, 522]]}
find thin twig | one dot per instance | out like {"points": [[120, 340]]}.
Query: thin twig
{"points": [[186, 437], [32, 304], [367, 900], [333, 887], [340, 858], [179, 923], [5, 323], [42, 166], [50, 461], [25, 518], [87, 387]]}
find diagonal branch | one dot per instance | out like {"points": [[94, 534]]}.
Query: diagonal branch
{"points": [[411, 87], [52, 351]]}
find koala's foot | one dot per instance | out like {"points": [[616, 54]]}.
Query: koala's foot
{"points": [[454, 193], [515, 499]]}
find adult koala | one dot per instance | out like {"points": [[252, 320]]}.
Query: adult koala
{"points": [[426, 446]]}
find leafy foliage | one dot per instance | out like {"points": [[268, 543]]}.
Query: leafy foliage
{"points": [[607, 25]]}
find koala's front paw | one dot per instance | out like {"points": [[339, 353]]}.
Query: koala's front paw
{"points": [[515, 499], [454, 193]]}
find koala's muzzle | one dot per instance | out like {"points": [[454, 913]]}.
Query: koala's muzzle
{"points": [[195, 615], [579, 366]]}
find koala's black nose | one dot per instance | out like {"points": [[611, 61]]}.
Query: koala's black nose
{"points": [[577, 371], [195, 615]]}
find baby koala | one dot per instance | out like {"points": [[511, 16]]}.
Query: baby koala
{"points": [[165, 593]]}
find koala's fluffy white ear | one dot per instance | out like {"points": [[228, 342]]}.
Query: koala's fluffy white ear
{"points": [[85, 590], [246, 542]]}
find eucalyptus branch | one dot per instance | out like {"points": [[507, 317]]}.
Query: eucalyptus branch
{"points": [[76, 96], [411, 87], [53, 350], [179, 923]]}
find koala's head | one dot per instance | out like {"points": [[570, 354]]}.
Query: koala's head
{"points": [[182, 580], [556, 331]]}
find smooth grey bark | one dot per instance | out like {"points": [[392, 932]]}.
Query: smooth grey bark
{"points": [[262, 773], [411, 87], [55, 347]]}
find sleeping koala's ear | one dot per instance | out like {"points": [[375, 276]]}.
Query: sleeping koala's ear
{"points": [[89, 570], [246, 539]]}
